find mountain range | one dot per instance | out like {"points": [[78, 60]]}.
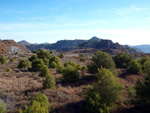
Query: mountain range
{"points": [[94, 42], [143, 48]]}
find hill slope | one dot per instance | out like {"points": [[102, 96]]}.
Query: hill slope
{"points": [[10, 46]]}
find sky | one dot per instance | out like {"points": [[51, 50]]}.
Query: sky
{"points": [[39, 21]]}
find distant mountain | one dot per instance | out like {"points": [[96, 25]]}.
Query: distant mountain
{"points": [[94, 42], [10, 46], [24, 43], [94, 39], [144, 48]]}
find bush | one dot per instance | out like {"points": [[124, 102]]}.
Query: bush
{"points": [[40, 104], [8, 70], [49, 82], [101, 59], [44, 71], [79, 67], [135, 67], [108, 87], [37, 65], [33, 57], [70, 74], [46, 61], [70, 64], [2, 108], [94, 103], [24, 63], [142, 97], [54, 59], [3, 59], [11, 60], [43, 54], [82, 59], [61, 55], [53, 65], [123, 60], [60, 69], [146, 67]]}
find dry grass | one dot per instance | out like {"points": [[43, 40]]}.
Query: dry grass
{"points": [[17, 88]]}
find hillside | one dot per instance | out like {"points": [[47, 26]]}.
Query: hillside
{"points": [[10, 46]]}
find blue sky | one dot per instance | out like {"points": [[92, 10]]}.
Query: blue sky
{"points": [[38, 21]]}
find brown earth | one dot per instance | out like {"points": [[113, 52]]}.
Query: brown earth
{"points": [[10, 46]]}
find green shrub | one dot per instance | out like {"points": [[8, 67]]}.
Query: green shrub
{"points": [[135, 67], [104, 94], [142, 97], [84, 67], [53, 65], [3, 59], [37, 65], [24, 63], [8, 70], [146, 67], [60, 69], [12, 60], [79, 67], [33, 57], [46, 61], [40, 104], [43, 54], [2, 108], [55, 59], [81, 55], [143, 60], [123, 60], [70, 74], [70, 64], [82, 59], [108, 87], [61, 55], [94, 103], [44, 71], [101, 59], [49, 82]]}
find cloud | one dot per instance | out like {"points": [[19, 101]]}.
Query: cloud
{"points": [[129, 10]]}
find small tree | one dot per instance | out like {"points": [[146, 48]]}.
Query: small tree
{"points": [[37, 65], [70, 74], [46, 61], [33, 57], [44, 71], [12, 60], [135, 67], [101, 59], [82, 59], [104, 94], [123, 60], [49, 82], [53, 64], [8, 70], [3, 59], [24, 63], [142, 97], [146, 67], [61, 55], [43, 54], [60, 69], [40, 104]]}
